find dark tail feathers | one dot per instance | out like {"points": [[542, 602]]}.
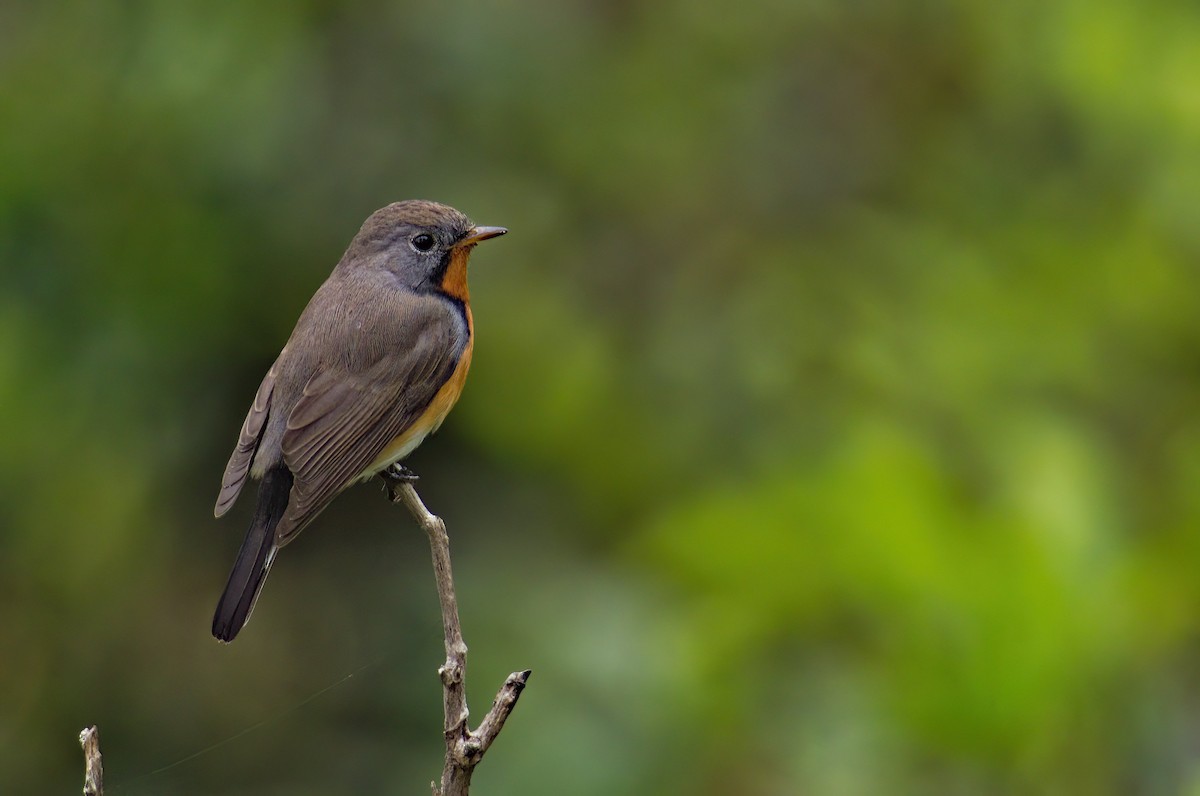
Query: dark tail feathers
{"points": [[255, 557]]}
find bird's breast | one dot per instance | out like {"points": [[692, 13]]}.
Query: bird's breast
{"points": [[429, 420]]}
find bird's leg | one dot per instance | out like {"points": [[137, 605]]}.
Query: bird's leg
{"points": [[398, 474]]}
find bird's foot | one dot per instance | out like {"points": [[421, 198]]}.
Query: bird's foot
{"points": [[398, 474]]}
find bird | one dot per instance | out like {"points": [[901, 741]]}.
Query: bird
{"points": [[376, 361]]}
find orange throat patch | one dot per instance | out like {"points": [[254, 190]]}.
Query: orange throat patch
{"points": [[454, 281]]}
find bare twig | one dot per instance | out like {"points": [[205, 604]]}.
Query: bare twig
{"points": [[93, 773], [464, 748]]}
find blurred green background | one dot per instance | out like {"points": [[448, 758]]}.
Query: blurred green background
{"points": [[834, 426]]}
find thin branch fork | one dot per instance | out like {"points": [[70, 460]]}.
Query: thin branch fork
{"points": [[464, 747]]}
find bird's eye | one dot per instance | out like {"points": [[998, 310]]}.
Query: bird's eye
{"points": [[422, 242]]}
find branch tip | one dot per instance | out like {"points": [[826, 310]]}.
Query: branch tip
{"points": [[93, 772]]}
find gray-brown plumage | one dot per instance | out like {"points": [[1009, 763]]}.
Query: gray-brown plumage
{"points": [[377, 359]]}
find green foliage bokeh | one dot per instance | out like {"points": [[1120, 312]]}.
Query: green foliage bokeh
{"points": [[834, 423]]}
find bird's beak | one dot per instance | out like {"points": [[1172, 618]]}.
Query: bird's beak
{"points": [[481, 233]]}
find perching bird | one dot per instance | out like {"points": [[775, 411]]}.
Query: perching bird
{"points": [[376, 361]]}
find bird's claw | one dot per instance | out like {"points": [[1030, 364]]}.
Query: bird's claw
{"points": [[399, 474]]}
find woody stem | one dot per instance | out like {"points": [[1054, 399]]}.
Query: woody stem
{"points": [[464, 748]]}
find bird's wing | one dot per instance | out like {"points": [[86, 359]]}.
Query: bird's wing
{"points": [[344, 420], [243, 453]]}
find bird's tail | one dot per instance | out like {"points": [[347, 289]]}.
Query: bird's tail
{"points": [[255, 557]]}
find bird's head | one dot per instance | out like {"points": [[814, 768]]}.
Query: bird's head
{"points": [[424, 244]]}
